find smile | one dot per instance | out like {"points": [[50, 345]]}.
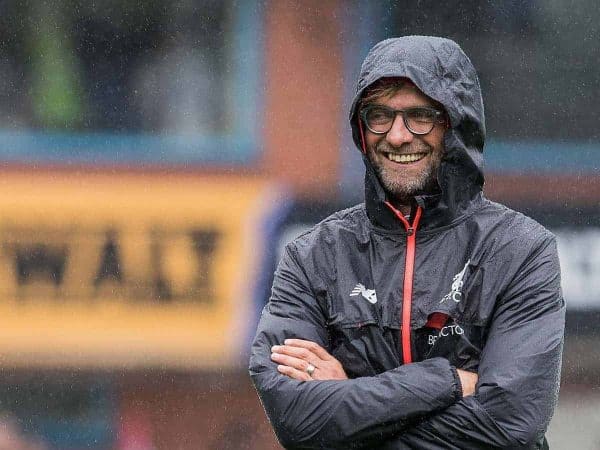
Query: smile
{"points": [[405, 159]]}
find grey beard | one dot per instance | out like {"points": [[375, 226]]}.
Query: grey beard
{"points": [[404, 190]]}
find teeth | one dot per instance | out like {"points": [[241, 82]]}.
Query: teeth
{"points": [[405, 158]]}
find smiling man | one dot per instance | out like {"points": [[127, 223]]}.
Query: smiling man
{"points": [[428, 317]]}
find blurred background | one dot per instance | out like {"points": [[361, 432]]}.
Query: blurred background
{"points": [[155, 157]]}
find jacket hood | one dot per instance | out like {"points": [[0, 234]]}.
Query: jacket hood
{"points": [[443, 72]]}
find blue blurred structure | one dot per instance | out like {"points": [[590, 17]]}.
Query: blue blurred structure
{"points": [[132, 110]]}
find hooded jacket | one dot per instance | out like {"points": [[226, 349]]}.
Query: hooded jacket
{"points": [[468, 283]]}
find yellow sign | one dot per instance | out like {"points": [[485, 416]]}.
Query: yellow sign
{"points": [[125, 270]]}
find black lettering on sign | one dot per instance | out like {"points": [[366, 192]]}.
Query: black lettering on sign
{"points": [[205, 244], [87, 264], [109, 268], [40, 262], [161, 288]]}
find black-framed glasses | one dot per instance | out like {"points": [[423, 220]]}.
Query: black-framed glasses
{"points": [[419, 120]]}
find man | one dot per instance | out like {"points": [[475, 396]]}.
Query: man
{"points": [[427, 317]]}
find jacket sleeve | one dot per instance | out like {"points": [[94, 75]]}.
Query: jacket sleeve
{"points": [[519, 370], [336, 414]]}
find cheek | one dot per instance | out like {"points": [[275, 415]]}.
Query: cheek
{"points": [[436, 140], [371, 141]]}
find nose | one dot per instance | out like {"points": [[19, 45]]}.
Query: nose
{"points": [[399, 134]]}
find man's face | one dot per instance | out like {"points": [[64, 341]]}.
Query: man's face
{"points": [[404, 180]]}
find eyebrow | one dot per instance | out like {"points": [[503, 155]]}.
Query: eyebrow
{"points": [[402, 109]]}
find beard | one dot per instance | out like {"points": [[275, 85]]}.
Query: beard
{"points": [[404, 188]]}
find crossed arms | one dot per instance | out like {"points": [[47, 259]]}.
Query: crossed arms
{"points": [[307, 361], [419, 405]]}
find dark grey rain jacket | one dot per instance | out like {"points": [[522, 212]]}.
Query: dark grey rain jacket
{"points": [[468, 284]]}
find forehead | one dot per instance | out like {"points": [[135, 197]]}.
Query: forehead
{"points": [[397, 92], [407, 96]]}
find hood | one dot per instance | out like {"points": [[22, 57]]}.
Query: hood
{"points": [[442, 71]]}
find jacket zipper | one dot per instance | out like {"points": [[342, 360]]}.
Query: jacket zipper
{"points": [[409, 266]]}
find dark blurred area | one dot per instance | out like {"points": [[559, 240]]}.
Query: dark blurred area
{"points": [[119, 66], [156, 156], [535, 60]]}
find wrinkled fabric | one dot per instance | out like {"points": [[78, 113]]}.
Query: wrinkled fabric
{"points": [[486, 298]]}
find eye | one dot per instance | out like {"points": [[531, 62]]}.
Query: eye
{"points": [[421, 115], [378, 115]]}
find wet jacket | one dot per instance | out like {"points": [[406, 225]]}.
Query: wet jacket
{"points": [[466, 283]]}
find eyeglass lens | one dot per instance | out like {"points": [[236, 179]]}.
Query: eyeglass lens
{"points": [[417, 120]]}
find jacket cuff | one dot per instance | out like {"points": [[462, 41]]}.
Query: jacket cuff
{"points": [[458, 391]]}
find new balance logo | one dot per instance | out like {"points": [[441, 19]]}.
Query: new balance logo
{"points": [[455, 293], [368, 294]]}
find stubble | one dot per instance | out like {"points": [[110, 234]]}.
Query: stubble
{"points": [[403, 189]]}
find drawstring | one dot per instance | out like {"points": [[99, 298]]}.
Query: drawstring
{"points": [[362, 135]]}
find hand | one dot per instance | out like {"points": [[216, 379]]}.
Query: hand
{"points": [[468, 381], [295, 356]]}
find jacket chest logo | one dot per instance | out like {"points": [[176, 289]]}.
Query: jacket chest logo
{"points": [[455, 293], [368, 294]]}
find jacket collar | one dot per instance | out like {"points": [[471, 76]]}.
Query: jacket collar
{"points": [[439, 209]]}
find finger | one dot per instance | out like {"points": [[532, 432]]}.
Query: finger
{"points": [[297, 352], [310, 346], [293, 373], [290, 361]]}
